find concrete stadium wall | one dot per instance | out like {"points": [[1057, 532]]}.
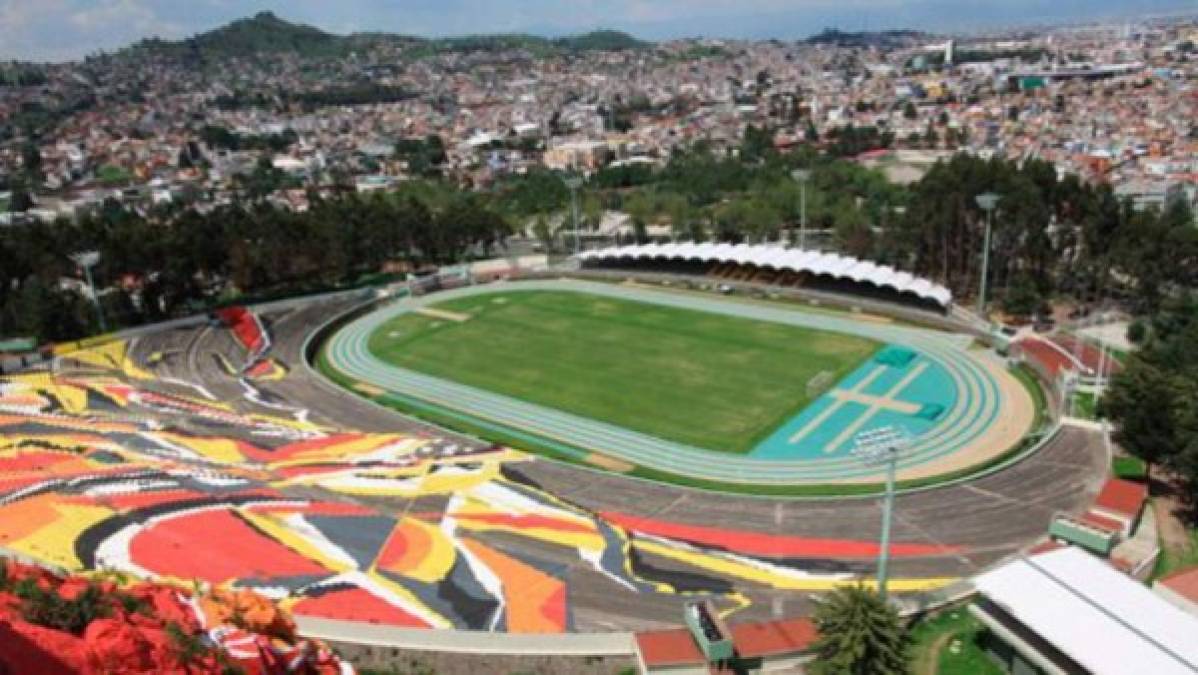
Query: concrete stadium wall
{"points": [[467, 641]]}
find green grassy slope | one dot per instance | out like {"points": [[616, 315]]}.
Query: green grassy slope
{"points": [[704, 379]]}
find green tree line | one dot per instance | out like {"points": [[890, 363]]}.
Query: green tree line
{"points": [[1153, 401], [1052, 236], [179, 261]]}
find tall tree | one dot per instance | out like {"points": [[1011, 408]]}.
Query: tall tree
{"points": [[859, 634], [1154, 400], [1140, 402]]}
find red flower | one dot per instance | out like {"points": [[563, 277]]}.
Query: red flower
{"points": [[25, 648], [116, 647], [9, 606], [45, 579], [167, 606], [72, 588], [133, 643]]}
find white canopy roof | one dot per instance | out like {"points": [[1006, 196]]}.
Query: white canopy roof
{"points": [[782, 258], [1100, 618]]}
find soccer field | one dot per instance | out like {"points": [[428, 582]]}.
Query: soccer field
{"points": [[708, 380]]}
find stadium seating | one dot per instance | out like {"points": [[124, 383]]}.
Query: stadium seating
{"points": [[246, 328], [770, 263]]}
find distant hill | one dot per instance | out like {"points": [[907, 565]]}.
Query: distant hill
{"points": [[886, 38], [601, 40], [262, 33], [265, 33]]}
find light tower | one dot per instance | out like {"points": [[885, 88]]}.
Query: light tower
{"points": [[875, 447], [988, 202], [802, 176], [87, 260], [575, 182]]}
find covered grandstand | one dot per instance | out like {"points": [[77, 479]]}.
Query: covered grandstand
{"points": [[775, 265]]}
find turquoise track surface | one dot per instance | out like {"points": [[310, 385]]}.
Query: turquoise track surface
{"points": [[932, 389]]}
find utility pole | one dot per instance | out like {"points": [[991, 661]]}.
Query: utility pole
{"points": [[879, 446], [87, 260], [988, 202], [802, 176]]}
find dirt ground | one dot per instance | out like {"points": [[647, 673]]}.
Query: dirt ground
{"points": [[1173, 533]]}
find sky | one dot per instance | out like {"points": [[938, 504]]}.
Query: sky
{"points": [[56, 30]]}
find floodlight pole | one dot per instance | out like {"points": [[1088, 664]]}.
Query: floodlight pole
{"points": [[875, 447], [801, 175], [985, 264], [87, 260], [887, 517], [574, 182], [986, 201]]}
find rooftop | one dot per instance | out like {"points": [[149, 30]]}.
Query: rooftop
{"points": [[673, 647], [1102, 522], [1103, 620], [1183, 583], [1122, 496], [762, 639], [772, 638]]}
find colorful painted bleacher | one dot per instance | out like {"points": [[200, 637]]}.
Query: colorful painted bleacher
{"points": [[247, 328], [104, 466]]}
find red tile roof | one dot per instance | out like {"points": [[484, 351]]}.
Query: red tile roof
{"points": [[751, 640], [1122, 564], [669, 648], [1122, 496], [1045, 546], [773, 638], [1183, 583], [1102, 522]]}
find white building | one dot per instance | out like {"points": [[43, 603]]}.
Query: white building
{"points": [[1066, 612]]}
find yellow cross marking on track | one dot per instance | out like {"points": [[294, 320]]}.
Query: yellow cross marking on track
{"points": [[851, 429], [904, 407], [827, 412]]}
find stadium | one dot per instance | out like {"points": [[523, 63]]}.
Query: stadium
{"points": [[512, 459], [709, 390]]}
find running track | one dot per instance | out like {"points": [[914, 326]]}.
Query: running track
{"points": [[978, 406]]}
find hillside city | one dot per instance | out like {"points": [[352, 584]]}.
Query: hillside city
{"points": [[187, 123], [856, 352]]}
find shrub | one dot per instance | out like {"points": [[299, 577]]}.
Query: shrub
{"points": [[44, 607], [1136, 332], [1129, 468]]}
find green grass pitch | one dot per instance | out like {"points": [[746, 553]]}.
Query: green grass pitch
{"points": [[708, 380]]}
